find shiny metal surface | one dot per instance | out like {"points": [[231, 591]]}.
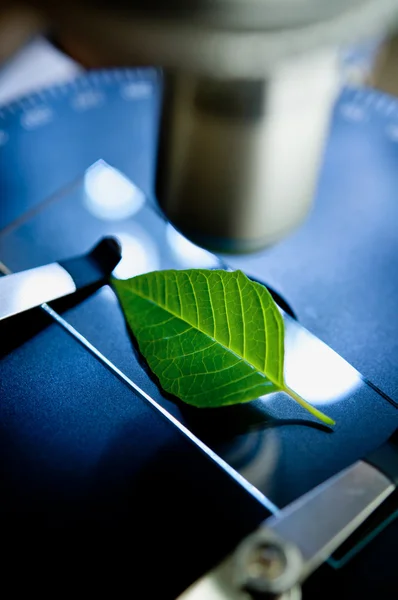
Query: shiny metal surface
{"points": [[247, 102], [265, 564], [253, 14], [219, 584], [228, 38], [315, 524], [216, 585], [321, 520], [28, 289], [238, 160]]}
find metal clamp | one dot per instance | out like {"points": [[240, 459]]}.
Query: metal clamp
{"points": [[273, 561]]}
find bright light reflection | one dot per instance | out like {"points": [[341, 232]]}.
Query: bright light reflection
{"points": [[139, 255], [314, 370], [110, 195], [30, 288], [187, 253]]}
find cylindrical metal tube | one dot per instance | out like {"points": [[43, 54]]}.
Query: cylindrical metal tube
{"points": [[248, 89], [238, 159]]}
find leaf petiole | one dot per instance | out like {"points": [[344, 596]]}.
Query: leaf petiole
{"points": [[311, 409]]}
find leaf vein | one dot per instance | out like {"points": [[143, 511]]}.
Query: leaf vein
{"points": [[234, 382], [178, 294], [176, 356], [242, 318], [212, 308], [265, 328], [226, 309], [195, 298], [167, 309]]}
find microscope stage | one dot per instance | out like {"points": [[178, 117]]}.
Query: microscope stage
{"points": [[84, 453]]}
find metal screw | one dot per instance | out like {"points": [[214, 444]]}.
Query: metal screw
{"points": [[268, 560], [267, 565]]}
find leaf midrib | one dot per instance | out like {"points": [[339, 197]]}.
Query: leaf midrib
{"points": [[171, 312]]}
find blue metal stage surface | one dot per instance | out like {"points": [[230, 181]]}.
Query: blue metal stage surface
{"points": [[83, 457]]}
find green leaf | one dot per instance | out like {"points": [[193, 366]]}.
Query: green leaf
{"points": [[212, 338]]}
